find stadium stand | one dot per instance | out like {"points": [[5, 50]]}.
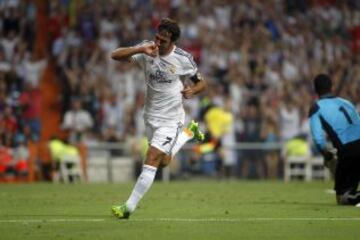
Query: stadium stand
{"points": [[261, 55]]}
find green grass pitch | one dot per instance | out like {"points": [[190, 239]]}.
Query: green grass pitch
{"points": [[178, 210]]}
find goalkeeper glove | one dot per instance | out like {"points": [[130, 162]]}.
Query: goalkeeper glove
{"points": [[330, 160]]}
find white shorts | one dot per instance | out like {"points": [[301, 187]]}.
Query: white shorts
{"points": [[163, 134]]}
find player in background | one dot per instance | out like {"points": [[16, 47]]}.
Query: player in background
{"points": [[165, 67], [341, 122]]}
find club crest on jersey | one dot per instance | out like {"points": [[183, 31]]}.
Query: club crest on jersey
{"points": [[172, 69], [167, 66]]}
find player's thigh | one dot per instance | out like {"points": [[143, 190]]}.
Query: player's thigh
{"points": [[149, 130], [164, 137]]}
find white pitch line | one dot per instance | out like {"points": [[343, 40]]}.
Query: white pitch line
{"points": [[56, 220], [239, 219], [201, 220]]}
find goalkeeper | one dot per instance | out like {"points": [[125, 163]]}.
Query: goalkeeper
{"points": [[340, 121]]}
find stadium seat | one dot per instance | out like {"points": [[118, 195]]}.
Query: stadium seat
{"points": [[305, 168], [70, 169]]}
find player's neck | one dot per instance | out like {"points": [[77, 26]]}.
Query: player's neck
{"points": [[166, 53], [327, 95]]}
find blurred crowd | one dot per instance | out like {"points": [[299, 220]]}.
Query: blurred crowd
{"points": [[259, 58], [20, 71]]}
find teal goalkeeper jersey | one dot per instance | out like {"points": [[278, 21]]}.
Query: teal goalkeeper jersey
{"points": [[338, 118]]}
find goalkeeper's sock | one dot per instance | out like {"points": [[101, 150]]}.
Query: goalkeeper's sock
{"points": [[142, 185], [183, 137]]}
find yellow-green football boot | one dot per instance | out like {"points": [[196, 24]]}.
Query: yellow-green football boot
{"points": [[121, 211], [195, 129]]}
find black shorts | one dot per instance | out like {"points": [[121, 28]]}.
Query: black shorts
{"points": [[347, 174]]}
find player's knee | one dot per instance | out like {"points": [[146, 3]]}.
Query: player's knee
{"points": [[154, 161], [154, 157], [165, 161]]}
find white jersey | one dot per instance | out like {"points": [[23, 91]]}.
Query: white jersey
{"points": [[164, 76]]}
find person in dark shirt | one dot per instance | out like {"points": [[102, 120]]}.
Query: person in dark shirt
{"points": [[252, 158], [338, 118]]}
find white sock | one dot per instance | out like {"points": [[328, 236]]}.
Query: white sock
{"points": [[142, 185], [183, 137]]}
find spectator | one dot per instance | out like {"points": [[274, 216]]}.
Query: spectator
{"points": [[270, 136], [252, 159], [8, 123], [9, 44], [33, 70], [113, 119], [30, 103], [5, 65], [5, 160], [228, 142], [77, 122], [21, 158], [289, 120]]}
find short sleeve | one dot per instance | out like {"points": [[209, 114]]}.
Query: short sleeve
{"points": [[189, 66]]}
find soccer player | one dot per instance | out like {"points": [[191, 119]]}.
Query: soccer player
{"points": [[339, 119], [166, 67]]}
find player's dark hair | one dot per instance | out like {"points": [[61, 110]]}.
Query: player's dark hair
{"points": [[170, 26], [322, 84]]}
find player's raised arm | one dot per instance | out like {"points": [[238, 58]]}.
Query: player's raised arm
{"points": [[124, 54]]}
